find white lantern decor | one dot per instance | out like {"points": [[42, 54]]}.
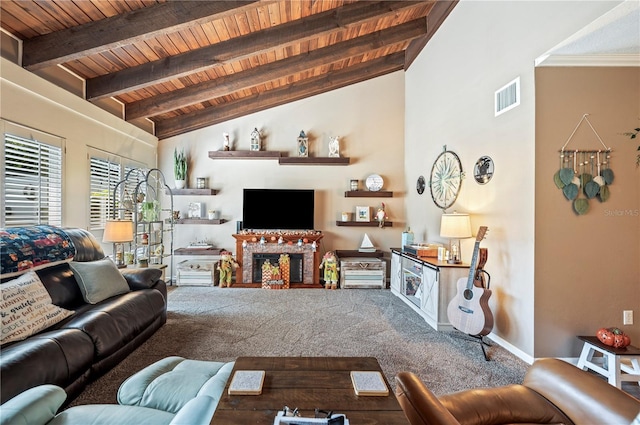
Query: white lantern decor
{"points": [[256, 143], [303, 145]]}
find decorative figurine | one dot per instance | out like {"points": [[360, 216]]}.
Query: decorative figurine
{"points": [[226, 266], [334, 147], [226, 143], [381, 216], [303, 145], [330, 264], [275, 272], [256, 143]]}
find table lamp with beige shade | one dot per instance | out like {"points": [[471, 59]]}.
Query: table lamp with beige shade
{"points": [[455, 226], [118, 232]]}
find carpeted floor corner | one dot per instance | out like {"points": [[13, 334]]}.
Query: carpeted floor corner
{"points": [[212, 323]]}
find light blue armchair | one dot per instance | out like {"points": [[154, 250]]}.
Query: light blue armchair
{"points": [[172, 391], [38, 406]]}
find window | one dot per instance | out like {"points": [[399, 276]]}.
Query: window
{"points": [[31, 180], [106, 171]]}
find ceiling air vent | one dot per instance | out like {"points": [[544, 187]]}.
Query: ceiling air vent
{"points": [[507, 97]]}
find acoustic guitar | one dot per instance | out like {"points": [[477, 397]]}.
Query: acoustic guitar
{"points": [[479, 280], [469, 310]]}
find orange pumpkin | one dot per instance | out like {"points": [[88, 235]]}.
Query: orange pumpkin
{"points": [[605, 336], [621, 340], [613, 337]]}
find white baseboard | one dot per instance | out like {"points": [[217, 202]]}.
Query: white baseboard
{"points": [[511, 348], [522, 355]]}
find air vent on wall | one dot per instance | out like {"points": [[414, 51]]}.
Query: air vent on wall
{"points": [[507, 97]]}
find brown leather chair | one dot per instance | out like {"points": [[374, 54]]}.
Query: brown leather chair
{"points": [[553, 392]]}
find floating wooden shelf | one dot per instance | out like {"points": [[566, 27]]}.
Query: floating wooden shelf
{"points": [[192, 191], [363, 223], [200, 221], [198, 251], [345, 253], [280, 156], [244, 154], [368, 194], [298, 160]]}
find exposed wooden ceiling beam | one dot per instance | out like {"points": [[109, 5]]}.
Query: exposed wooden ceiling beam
{"points": [[128, 28], [197, 93], [242, 47], [292, 92]]}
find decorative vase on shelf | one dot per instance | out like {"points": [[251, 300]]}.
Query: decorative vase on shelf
{"points": [[180, 184]]}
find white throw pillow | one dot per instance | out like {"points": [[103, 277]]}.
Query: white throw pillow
{"points": [[26, 308], [99, 280]]}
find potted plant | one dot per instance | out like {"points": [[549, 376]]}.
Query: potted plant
{"points": [[632, 135], [150, 211], [180, 168]]}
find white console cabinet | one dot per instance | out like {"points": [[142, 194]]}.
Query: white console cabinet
{"points": [[426, 285], [396, 273]]}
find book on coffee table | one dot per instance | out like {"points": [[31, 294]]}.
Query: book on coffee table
{"points": [[369, 383], [247, 382]]}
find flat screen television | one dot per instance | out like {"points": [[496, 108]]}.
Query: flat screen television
{"points": [[275, 209]]}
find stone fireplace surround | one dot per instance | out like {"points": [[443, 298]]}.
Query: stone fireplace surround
{"points": [[311, 258]]}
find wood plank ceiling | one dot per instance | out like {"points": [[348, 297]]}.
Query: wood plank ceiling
{"points": [[190, 64]]}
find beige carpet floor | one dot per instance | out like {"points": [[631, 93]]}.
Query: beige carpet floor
{"points": [[212, 323]]}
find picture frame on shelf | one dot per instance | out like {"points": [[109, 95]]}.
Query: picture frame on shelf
{"points": [[197, 210], [363, 213]]}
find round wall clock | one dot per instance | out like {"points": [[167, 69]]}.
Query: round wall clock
{"points": [[420, 185], [446, 178], [374, 182]]}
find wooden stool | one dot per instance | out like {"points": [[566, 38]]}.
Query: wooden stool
{"points": [[614, 361]]}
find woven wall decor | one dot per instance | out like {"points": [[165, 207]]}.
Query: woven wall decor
{"points": [[584, 174]]}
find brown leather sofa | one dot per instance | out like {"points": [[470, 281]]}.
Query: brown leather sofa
{"points": [[553, 392], [95, 338]]}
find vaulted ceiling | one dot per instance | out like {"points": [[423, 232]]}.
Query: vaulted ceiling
{"points": [[189, 64]]}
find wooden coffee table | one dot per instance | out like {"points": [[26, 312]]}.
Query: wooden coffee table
{"points": [[308, 383]]}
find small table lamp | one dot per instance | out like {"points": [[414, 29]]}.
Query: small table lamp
{"points": [[455, 226], [118, 232]]}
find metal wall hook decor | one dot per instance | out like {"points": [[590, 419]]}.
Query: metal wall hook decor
{"points": [[576, 174]]}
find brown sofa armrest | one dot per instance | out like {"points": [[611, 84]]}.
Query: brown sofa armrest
{"points": [[144, 278], [419, 404], [502, 405], [582, 396]]}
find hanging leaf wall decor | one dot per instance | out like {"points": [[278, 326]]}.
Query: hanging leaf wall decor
{"points": [[576, 174]]}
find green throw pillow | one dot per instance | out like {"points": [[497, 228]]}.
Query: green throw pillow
{"points": [[98, 280]]}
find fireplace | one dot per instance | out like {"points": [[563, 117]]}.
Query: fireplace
{"points": [[304, 257], [296, 274]]}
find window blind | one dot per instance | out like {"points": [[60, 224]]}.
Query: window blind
{"points": [[106, 171], [32, 182]]}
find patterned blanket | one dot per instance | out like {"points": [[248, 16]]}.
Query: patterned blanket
{"points": [[33, 247]]}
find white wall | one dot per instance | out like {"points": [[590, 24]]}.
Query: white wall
{"points": [[449, 101], [31, 101], [368, 117]]}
